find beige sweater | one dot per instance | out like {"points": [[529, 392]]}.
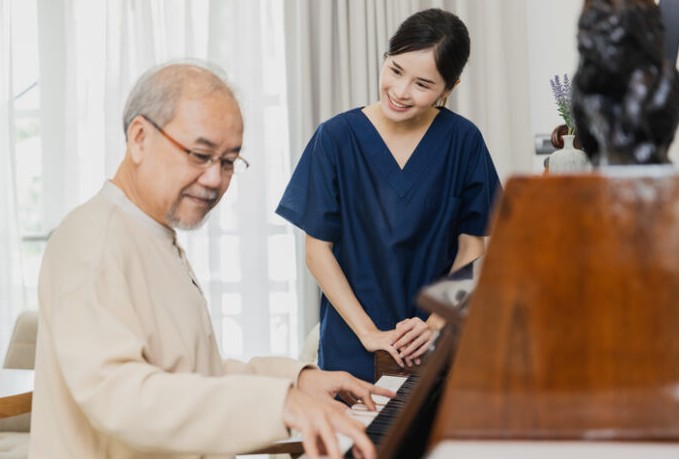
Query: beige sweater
{"points": [[127, 365]]}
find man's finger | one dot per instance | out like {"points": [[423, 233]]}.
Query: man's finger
{"points": [[362, 442], [309, 443], [355, 430], [329, 439], [376, 390]]}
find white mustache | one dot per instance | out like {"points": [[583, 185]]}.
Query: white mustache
{"points": [[209, 195]]}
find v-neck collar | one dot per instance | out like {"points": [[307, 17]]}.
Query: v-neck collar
{"points": [[377, 152]]}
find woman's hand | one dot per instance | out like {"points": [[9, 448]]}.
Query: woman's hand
{"points": [[416, 337], [376, 339]]}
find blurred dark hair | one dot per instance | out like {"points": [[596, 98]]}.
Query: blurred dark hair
{"points": [[625, 92]]}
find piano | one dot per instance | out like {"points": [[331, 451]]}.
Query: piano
{"points": [[565, 341], [572, 329], [569, 339]]}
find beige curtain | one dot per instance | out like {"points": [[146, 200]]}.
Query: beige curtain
{"points": [[334, 56]]}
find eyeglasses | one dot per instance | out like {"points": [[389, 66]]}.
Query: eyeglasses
{"points": [[204, 160]]}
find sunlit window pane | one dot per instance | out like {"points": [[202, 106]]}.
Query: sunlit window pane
{"points": [[25, 54], [200, 255], [27, 99], [28, 154], [283, 323], [230, 259], [228, 217], [280, 334], [232, 337], [282, 303], [282, 259], [232, 304]]}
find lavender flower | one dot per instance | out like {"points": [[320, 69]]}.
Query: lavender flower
{"points": [[562, 97]]}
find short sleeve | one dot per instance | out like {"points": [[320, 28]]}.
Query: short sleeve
{"points": [[481, 187], [311, 199]]}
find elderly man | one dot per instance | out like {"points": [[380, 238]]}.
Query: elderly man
{"points": [[127, 365]]}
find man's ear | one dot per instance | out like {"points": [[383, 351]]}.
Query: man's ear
{"points": [[137, 133]]}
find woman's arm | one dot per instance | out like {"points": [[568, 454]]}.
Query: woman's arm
{"points": [[469, 248], [329, 275], [418, 334]]}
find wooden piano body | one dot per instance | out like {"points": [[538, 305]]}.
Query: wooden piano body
{"points": [[573, 327], [572, 330]]}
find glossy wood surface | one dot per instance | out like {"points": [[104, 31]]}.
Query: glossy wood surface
{"points": [[573, 329], [16, 392]]}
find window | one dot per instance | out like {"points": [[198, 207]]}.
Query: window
{"points": [[244, 254], [28, 151]]}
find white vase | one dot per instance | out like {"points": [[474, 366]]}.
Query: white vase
{"points": [[568, 160]]}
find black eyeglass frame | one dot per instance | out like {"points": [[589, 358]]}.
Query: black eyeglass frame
{"points": [[203, 160]]}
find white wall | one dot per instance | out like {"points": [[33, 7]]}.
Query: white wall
{"points": [[552, 50]]}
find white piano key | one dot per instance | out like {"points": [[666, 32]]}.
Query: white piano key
{"points": [[360, 411]]}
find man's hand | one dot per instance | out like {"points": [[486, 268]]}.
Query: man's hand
{"points": [[319, 420], [326, 385]]}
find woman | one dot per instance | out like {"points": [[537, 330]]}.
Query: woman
{"points": [[392, 196]]}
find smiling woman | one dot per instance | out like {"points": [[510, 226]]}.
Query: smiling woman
{"points": [[361, 191]]}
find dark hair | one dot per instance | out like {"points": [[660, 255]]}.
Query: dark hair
{"points": [[439, 30]]}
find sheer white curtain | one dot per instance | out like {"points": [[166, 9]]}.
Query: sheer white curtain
{"points": [[495, 92], [92, 51], [11, 282], [334, 56]]}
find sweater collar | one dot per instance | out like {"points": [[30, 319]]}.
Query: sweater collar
{"points": [[113, 193]]}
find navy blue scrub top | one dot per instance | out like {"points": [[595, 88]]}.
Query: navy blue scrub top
{"points": [[393, 230]]}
